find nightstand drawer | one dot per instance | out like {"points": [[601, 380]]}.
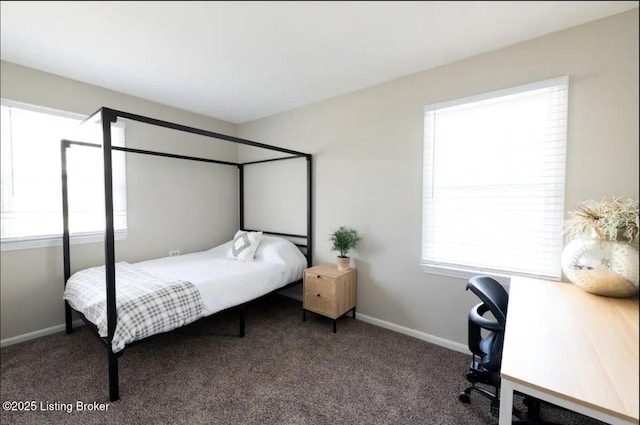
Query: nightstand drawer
{"points": [[320, 284], [320, 303]]}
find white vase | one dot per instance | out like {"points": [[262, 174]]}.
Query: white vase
{"points": [[602, 267]]}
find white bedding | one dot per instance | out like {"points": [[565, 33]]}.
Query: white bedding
{"points": [[225, 283], [146, 305], [222, 282]]}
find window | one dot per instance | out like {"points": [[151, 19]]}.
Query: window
{"points": [[31, 178], [493, 183]]}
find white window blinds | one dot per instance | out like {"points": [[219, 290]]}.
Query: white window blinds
{"points": [[31, 176], [493, 184]]}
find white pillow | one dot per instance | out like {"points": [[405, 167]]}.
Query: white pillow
{"points": [[244, 245], [284, 252], [278, 250]]}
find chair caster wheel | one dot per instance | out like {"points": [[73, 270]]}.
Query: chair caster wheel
{"points": [[495, 409], [464, 397]]}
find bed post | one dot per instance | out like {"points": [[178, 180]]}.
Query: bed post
{"points": [[241, 207], [241, 321], [114, 390], [108, 117], [241, 194], [309, 212], [64, 144]]}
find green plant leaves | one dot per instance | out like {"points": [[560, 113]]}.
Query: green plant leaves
{"points": [[344, 239]]}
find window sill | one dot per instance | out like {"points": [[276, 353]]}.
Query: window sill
{"points": [[51, 241], [502, 276], [466, 274]]}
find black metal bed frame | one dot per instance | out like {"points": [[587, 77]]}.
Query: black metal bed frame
{"points": [[107, 117]]}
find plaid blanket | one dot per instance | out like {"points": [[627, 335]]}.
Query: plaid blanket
{"points": [[145, 304]]}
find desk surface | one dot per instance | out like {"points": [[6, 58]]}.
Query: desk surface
{"points": [[576, 346]]}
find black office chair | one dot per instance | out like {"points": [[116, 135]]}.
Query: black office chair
{"points": [[487, 351]]}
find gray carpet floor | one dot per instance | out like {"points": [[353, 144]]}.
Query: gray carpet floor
{"points": [[283, 371]]}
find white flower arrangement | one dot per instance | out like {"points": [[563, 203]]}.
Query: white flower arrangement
{"points": [[616, 219]]}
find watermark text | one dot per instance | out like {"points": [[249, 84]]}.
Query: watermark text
{"points": [[53, 406]]}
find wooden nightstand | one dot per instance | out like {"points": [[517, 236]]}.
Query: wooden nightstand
{"points": [[329, 292]]}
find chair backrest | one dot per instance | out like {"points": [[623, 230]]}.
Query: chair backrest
{"points": [[492, 294], [495, 299]]}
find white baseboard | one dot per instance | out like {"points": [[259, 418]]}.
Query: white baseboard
{"points": [[451, 345], [456, 346], [37, 334]]}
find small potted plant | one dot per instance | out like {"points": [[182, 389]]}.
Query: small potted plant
{"points": [[344, 239]]}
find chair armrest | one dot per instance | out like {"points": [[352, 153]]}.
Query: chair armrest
{"points": [[475, 316]]}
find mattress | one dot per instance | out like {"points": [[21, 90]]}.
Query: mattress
{"points": [[225, 283], [221, 282]]}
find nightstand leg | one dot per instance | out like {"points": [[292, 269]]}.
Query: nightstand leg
{"points": [[304, 315], [354, 313], [334, 325]]}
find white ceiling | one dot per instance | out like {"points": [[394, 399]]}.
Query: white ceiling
{"points": [[239, 61]]}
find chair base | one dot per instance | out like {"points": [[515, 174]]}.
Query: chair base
{"points": [[530, 417], [465, 397]]}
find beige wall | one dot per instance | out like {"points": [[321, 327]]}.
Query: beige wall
{"points": [[367, 148], [167, 211], [275, 196]]}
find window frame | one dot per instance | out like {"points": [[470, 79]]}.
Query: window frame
{"points": [[460, 270], [54, 240]]}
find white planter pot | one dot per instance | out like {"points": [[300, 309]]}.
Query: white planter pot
{"points": [[343, 263]]}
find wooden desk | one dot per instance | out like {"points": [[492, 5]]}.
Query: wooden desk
{"points": [[572, 349]]}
